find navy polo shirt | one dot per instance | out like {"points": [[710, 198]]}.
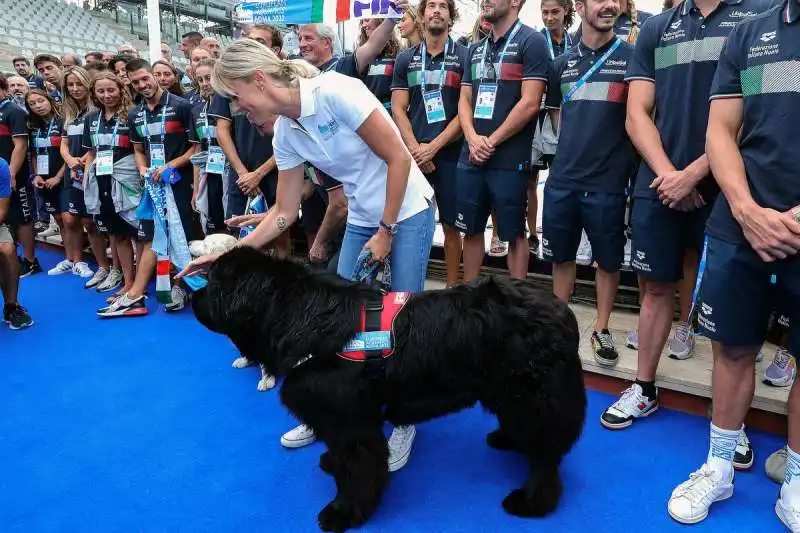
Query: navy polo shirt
{"points": [[193, 96], [5, 180], [378, 79], [557, 49], [759, 65], [13, 123], [408, 76], [177, 128], [678, 50], [35, 81], [526, 58], [594, 152], [343, 65], [98, 134], [47, 140], [74, 135], [204, 125], [253, 148]]}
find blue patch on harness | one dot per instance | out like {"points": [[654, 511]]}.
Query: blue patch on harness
{"points": [[369, 340]]}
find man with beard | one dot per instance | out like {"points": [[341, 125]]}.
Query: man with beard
{"points": [[23, 68], [425, 92], [674, 188], [160, 129], [586, 188], [17, 89], [500, 94], [212, 45]]}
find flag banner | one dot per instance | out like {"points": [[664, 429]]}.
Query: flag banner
{"points": [[277, 12], [370, 9]]}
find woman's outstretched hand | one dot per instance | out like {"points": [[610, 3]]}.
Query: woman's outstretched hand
{"points": [[201, 265]]}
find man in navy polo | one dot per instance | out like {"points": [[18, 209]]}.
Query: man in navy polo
{"points": [[593, 165], [425, 108], [504, 79], [160, 130], [51, 69], [753, 264], [23, 68], [669, 77]]}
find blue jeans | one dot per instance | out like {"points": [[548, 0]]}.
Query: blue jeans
{"points": [[411, 249]]}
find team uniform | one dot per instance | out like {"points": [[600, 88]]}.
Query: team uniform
{"points": [[758, 65], [586, 187], [433, 103], [45, 148], [35, 81], [204, 132], [14, 123], [73, 180], [556, 49], [253, 149], [5, 194], [168, 125], [495, 71], [378, 79], [678, 50], [101, 136]]}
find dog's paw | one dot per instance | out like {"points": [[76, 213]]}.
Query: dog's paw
{"points": [[500, 441], [337, 519], [242, 362], [517, 503], [266, 383], [325, 463]]}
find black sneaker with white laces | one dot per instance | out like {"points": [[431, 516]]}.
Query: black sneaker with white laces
{"points": [[29, 268], [743, 456], [605, 353], [16, 317]]}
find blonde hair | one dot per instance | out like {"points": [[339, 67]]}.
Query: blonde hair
{"points": [[243, 57], [634, 16], [71, 107]]}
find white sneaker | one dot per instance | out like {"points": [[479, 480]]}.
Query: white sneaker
{"points": [[112, 281], [681, 344], [691, 499], [98, 278], [788, 512], [400, 446], [298, 437], [61, 268], [51, 231], [632, 404], [82, 270]]}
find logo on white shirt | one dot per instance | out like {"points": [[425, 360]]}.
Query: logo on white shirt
{"points": [[328, 130]]}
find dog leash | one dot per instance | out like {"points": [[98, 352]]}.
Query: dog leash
{"points": [[377, 273]]}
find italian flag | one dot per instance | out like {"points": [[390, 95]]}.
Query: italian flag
{"points": [[163, 288]]}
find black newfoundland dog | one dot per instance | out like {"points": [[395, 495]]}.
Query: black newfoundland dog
{"points": [[502, 342]]}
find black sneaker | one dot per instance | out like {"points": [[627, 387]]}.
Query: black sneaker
{"points": [[16, 317], [29, 268], [533, 244], [605, 353], [743, 457]]}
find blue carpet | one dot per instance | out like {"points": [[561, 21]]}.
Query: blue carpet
{"points": [[141, 424]]}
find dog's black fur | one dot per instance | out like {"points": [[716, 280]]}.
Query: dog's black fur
{"points": [[498, 341]]}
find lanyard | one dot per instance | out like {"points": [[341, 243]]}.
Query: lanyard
{"points": [[502, 54], [207, 127], [333, 64], [46, 135], [424, 52], [100, 118], [591, 71], [163, 120], [567, 42]]}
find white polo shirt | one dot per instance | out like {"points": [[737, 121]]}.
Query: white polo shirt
{"points": [[332, 108]]}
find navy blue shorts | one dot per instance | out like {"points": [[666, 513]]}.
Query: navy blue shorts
{"points": [[482, 190], [216, 211], [55, 200], [76, 205], [661, 237], [566, 213], [443, 181], [109, 222], [23, 205], [737, 296]]}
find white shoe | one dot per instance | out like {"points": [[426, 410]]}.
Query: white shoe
{"points": [[298, 437], [681, 344], [51, 231], [82, 270], [61, 268], [400, 446], [112, 281], [788, 512], [691, 499], [98, 278]]}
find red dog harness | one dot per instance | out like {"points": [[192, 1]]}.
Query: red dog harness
{"points": [[374, 340]]}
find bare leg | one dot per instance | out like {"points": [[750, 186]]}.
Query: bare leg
{"points": [[518, 257], [452, 254], [474, 250], [655, 320], [607, 286], [564, 280]]}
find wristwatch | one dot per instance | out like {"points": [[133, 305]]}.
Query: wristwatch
{"points": [[391, 228]]}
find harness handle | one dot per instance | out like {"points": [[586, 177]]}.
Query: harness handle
{"points": [[376, 273]]}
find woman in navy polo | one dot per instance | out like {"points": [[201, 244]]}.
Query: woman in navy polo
{"points": [[45, 124], [77, 104]]}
